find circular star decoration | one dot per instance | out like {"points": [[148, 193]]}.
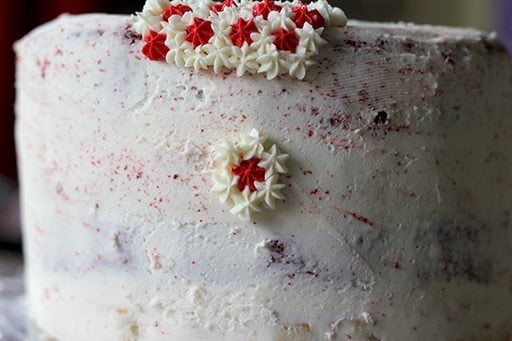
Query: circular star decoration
{"points": [[247, 172]]}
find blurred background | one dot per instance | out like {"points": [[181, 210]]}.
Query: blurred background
{"points": [[19, 17]]}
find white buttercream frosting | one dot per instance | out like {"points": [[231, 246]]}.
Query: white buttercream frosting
{"points": [[396, 219]]}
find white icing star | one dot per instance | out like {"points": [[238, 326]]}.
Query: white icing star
{"points": [[225, 185], [227, 154], [310, 39], [178, 55], [273, 162], [270, 190], [148, 22], [196, 58], [202, 8], [218, 55], [227, 17], [269, 61], [337, 17], [282, 19], [175, 26], [262, 40], [244, 59], [333, 16], [298, 68], [156, 7], [245, 204], [251, 145]]}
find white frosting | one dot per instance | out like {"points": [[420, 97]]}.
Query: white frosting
{"points": [[396, 221], [260, 56]]}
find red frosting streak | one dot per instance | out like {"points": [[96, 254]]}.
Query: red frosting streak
{"points": [[264, 8], [286, 41], [199, 32], [155, 48], [249, 173], [179, 9], [303, 15], [216, 8], [241, 32]]}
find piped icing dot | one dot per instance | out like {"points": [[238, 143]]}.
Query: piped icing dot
{"points": [[286, 40], [264, 8], [249, 173], [199, 32], [219, 7], [155, 48], [241, 32], [179, 9], [304, 15]]}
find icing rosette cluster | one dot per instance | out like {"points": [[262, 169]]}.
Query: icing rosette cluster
{"points": [[257, 37], [247, 174]]}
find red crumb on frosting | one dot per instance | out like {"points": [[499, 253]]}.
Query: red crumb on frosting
{"points": [[155, 48], [199, 32], [43, 65], [304, 15], [219, 7], [361, 218], [179, 9], [241, 32], [249, 173], [286, 40], [264, 8]]}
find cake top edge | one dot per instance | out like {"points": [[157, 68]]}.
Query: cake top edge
{"points": [[422, 32], [418, 32]]}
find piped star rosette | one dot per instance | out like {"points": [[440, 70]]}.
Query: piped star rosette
{"points": [[257, 37], [247, 174]]}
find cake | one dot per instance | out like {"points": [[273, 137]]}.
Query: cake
{"points": [[357, 186]]}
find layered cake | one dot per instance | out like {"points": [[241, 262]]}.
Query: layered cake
{"points": [[264, 171]]}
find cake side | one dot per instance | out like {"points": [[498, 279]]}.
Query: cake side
{"points": [[396, 222]]}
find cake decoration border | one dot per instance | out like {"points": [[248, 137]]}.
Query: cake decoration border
{"points": [[247, 174], [257, 37]]}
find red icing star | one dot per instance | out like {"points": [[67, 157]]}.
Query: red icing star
{"points": [[155, 48], [241, 32], [199, 32], [249, 173], [264, 8], [179, 9], [286, 41], [303, 15], [219, 7]]}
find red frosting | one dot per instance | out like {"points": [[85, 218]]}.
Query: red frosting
{"points": [[249, 173], [199, 32], [286, 40], [216, 8], [179, 9], [303, 15], [155, 48], [241, 32], [264, 8]]}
